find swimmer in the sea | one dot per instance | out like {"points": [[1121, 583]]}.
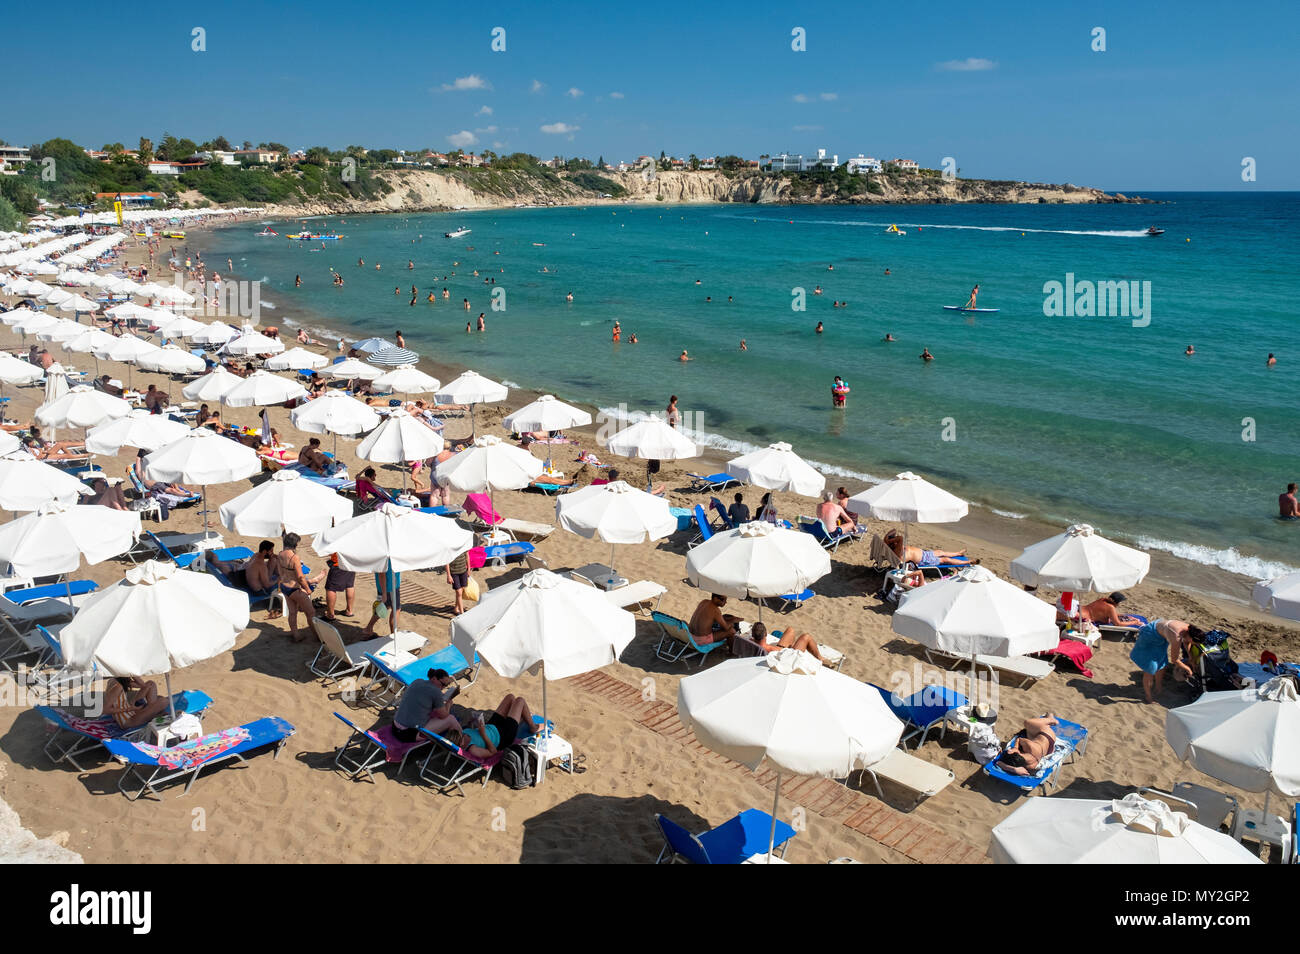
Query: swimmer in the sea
{"points": [[708, 298], [482, 321], [743, 346], [297, 281], [819, 328], [469, 327], [1191, 350], [888, 337], [632, 338], [618, 330], [360, 262], [466, 303], [684, 356], [569, 297], [697, 281], [1271, 360], [886, 271], [817, 290], [925, 355]]}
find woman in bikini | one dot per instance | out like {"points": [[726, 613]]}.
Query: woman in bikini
{"points": [[295, 585], [132, 701], [920, 557], [1036, 742]]}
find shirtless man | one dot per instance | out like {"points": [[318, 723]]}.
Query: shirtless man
{"points": [[833, 516], [709, 624], [1030, 747], [313, 458], [894, 540], [1103, 611], [1287, 506]]}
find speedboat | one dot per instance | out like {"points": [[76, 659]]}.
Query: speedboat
{"points": [[1155, 231], [267, 231], [895, 230], [458, 233]]}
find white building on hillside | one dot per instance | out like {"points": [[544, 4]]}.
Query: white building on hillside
{"points": [[903, 165], [860, 163]]}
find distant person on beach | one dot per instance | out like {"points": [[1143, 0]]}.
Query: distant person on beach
{"points": [[1271, 360], [925, 355], [1029, 746], [920, 557], [974, 293], [738, 512], [1287, 507], [834, 518], [1103, 612], [674, 415]]}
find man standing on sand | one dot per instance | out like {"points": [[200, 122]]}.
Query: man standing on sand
{"points": [[1287, 506]]}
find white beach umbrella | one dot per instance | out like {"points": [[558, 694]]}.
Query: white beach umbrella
{"points": [[1080, 559], [396, 538], [1249, 738], [202, 457], [287, 503], [652, 439], [1131, 830], [56, 383], [179, 326], [489, 465], [26, 483], [211, 386], [401, 438], [53, 539], [789, 711], [777, 467], [89, 341], [62, 331], [544, 620], [17, 315], [9, 443], [757, 559], [77, 303], [35, 322], [215, 332], [547, 413], [158, 618], [251, 342], [128, 349], [335, 413], [351, 368], [139, 429], [129, 310], [82, 406], [1280, 596], [170, 359], [908, 499], [407, 379], [17, 371], [976, 613], [263, 389], [473, 389], [616, 513], [122, 286], [296, 359]]}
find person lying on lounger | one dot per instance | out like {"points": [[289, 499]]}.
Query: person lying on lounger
{"points": [[894, 540], [1030, 746], [42, 449], [709, 624], [803, 642], [313, 458], [484, 733], [107, 495], [368, 490], [132, 701], [156, 486], [1104, 612]]}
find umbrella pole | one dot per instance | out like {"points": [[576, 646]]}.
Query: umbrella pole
{"points": [[776, 798], [611, 558], [171, 704]]}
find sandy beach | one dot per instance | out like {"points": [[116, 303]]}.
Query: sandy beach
{"points": [[634, 758]]}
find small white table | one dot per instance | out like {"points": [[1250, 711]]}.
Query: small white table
{"points": [[548, 747], [762, 859], [161, 734], [600, 575], [492, 538], [1250, 825]]}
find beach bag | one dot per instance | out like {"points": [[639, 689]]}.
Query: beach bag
{"points": [[983, 744], [516, 769], [471, 590]]}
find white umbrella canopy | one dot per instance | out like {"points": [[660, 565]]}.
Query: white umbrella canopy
{"points": [[909, 499], [216, 332], [202, 457], [138, 429], [547, 413], [26, 483], [652, 439], [36, 321], [17, 371], [335, 413], [127, 348], [295, 359], [55, 537], [757, 559], [1280, 596], [64, 330], [788, 710], [1249, 738], [55, 295], [408, 379], [77, 303], [396, 538], [156, 619], [263, 389], [9, 443], [1132, 830], [89, 341], [170, 359], [473, 389], [352, 368], [778, 467], [212, 386], [56, 383], [179, 326], [129, 309], [253, 342], [287, 503], [16, 315], [489, 465], [82, 406], [976, 613], [1080, 559], [616, 513], [401, 438]]}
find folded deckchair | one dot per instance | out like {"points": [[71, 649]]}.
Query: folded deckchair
{"points": [[922, 710], [745, 835], [1071, 739], [724, 518], [702, 522], [336, 659], [909, 772], [1027, 668], [637, 596], [187, 759], [50, 671], [75, 734], [368, 749], [677, 642], [149, 545], [387, 681]]}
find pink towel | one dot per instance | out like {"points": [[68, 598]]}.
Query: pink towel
{"points": [[394, 749], [477, 558], [1078, 653]]}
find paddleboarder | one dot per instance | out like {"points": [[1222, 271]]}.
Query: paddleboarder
{"points": [[974, 293]]}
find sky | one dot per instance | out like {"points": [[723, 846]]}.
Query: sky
{"points": [[1182, 94]]}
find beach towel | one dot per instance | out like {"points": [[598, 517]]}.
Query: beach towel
{"points": [[395, 750], [480, 505], [103, 727], [188, 754], [477, 557], [1076, 652]]}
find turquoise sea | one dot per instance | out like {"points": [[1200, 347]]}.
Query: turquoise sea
{"points": [[1063, 418]]}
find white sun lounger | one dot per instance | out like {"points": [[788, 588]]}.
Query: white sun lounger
{"points": [[918, 776], [336, 659], [536, 531], [637, 596], [1026, 668]]}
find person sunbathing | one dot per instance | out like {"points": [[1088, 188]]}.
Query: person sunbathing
{"points": [[261, 572], [42, 449], [835, 519], [709, 624], [486, 734], [313, 458], [367, 488], [803, 642], [1029, 747], [425, 704], [1104, 612], [132, 701], [107, 495], [156, 486], [920, 557]]}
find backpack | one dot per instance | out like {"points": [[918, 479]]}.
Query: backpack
{"points": [[516, 769]]}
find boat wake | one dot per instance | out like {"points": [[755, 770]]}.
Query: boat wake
{"points": [[1107, 233]]}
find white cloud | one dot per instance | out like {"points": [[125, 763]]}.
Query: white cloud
{"points": [[537, 86], [800, 98], [473, 81], [498, 144], [970, 64], [486, 130], [560, 129], [574, 92], [828, 97], [484, 111], [615, 95], [463, 139]]}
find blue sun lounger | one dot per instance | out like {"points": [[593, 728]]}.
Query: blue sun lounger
{"points": [[387, 683], [702, 522], [1071, 740], [922, 710], [741, 837], [369, 749], [51, 591], [711, 482], [140, 758], [75, 735], [500, 553]]}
